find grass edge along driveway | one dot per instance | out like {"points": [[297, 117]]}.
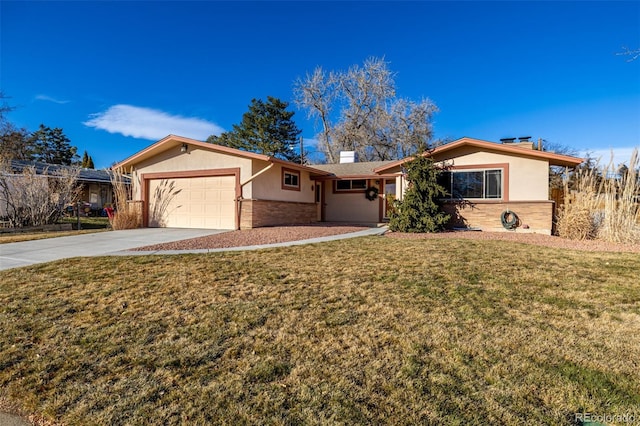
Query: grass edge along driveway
{"points": [[369, 330]]}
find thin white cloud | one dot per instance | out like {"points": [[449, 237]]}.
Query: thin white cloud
{"points": [[151, 124], [51, 99]]}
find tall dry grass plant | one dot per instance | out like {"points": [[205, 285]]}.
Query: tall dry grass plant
{"points": [[127, 215], [602, 203]]}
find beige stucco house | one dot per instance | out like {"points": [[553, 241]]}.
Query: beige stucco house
{"points": [[485, 179], [191, 184], [187, 183]]}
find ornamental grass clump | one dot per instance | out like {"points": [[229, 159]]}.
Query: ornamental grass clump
{"points": [[602, 203], [621, 204], [127, 215]]}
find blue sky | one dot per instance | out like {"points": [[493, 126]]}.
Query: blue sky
{"points": [[117, 76]]}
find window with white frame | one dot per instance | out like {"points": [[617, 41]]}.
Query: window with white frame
{"points": [[478, 184]]}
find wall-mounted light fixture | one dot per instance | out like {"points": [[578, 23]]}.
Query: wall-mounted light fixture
{"points": [[184, 147]]}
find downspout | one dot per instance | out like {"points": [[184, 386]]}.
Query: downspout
{"points": [[240, 197]]}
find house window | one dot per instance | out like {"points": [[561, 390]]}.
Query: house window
{"points": [[351, 185], [483, 184], [290, 179]]}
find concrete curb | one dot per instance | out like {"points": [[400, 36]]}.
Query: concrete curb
{"points": [[363, 233]]}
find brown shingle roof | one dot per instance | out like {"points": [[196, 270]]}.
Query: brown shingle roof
{"points": [[352, 169]]}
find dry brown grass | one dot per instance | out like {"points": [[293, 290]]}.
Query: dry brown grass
{"points": [[89, 225], [31, 236], [601, 206], [128, 215], [363, 331], [621, 199]]}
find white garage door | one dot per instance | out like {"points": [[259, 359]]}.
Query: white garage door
{"points": [[202, 202]]}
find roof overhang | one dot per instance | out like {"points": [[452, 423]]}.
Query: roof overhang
{"points": [[173, 141], [355, 177], [553, 158]]}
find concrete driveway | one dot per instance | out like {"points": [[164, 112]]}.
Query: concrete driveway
{"points": [[27, 253]]}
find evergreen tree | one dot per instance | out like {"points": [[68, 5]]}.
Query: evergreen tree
{"points": [[267, 128], [87, 161], [53, 147], [419, 210]]}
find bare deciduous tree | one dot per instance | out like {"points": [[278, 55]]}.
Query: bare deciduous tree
{"points": [[31, 199], [372, 121], [317, 93]]}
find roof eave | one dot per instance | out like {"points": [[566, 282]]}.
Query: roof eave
{"points": [[554, 159], [139, 156]]}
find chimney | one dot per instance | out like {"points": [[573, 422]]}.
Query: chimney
{"points": [[523, 142], [348, 157]]}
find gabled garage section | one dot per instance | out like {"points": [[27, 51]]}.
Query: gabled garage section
{"points": [[185, 183], [191, 199]]}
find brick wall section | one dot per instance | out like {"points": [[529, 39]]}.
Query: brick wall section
{"points": [[538, 215], [257, 213]]}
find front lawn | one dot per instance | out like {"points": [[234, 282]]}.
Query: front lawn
{"points": [[88, 225], [362, 331]]}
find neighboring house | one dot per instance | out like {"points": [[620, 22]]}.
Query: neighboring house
{"points": [[97, 190], [187, 183]]}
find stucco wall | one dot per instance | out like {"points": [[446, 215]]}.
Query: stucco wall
{"points": [[268, 186], [172, 160], [528, 177], [350, 207]]}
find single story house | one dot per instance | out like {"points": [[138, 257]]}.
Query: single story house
{"points": [[187, 183], [96, 187]]}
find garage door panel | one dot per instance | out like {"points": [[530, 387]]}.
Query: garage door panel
{"points": [[202, 202]]}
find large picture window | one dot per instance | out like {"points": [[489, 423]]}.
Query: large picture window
{"points": [[473, 183]]}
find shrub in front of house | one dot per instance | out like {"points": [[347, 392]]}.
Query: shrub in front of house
{"points": [[420, 208]]}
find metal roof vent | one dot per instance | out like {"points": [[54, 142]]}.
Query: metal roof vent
{"points": [[508, 140]]}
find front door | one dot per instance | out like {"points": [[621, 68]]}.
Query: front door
{"points": [[319, 202], [389, 196]]}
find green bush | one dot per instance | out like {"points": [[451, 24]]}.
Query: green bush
{"points": [[420, 209]]}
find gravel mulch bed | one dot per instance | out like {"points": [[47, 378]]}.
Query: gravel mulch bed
{"points": [[257, 236], [281, 234], [527, 238]]}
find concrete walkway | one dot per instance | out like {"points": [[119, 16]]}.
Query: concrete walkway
{"points": [[25, 253], [120, 243]]}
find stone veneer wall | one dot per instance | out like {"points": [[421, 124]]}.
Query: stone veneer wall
{"points": [[257, 213], [538, 215]]}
